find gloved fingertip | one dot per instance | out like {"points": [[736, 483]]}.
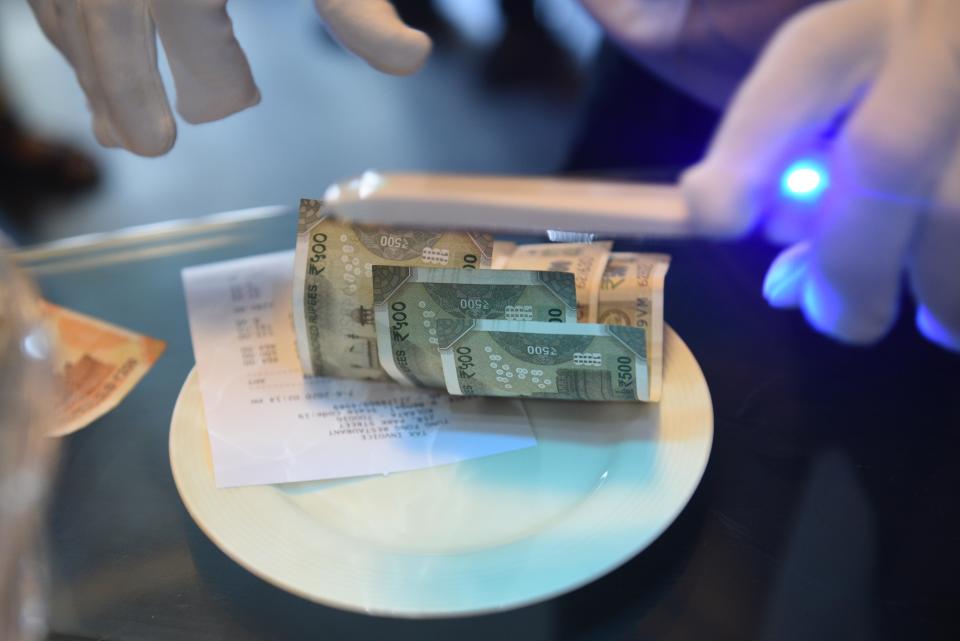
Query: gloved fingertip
{"points": [[153, 139], [829, 313], [720, 202], [103, 132], [783, 284], [254, 99], [404, 54], [200, 107], [936, 332]]}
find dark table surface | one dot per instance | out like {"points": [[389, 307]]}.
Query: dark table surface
{"points": [[828, 510]]}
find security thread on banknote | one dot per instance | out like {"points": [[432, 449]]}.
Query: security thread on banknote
{"points": [[409, 302], [569, 361], [333, 284]]}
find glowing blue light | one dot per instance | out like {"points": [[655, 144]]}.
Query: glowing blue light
{"points": [[804, 180]]}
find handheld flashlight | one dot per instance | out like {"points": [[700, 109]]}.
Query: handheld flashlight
{"points": [[531, 205]]}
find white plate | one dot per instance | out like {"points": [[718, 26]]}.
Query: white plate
{"points": [[478, 536]]}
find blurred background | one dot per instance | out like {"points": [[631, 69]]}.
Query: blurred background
{"points": [[502, 93]]}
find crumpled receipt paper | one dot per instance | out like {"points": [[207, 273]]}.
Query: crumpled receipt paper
{"points": [[268, 424]]}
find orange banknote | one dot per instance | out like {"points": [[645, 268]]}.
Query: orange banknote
{"points": [[97, 364]]}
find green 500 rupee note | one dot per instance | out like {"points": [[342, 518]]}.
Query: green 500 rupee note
{"points": [[572, 361], [333, 289], [409, 302]]}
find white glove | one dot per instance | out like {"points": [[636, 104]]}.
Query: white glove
{"points": [[875, 86], [111, 45]]}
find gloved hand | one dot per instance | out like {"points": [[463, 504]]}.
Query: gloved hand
{"points": [[111, 45], [873, 86]]}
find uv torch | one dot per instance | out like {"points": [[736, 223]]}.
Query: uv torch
{"points": [[532, 204]]}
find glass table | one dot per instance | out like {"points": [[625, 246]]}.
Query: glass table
{"points": [[828, 509]]}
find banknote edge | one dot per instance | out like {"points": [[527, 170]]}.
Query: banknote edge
{"points": [[657, 363], [298, 292]]}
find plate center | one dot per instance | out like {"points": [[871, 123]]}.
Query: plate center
{"points": [[481, 503]]}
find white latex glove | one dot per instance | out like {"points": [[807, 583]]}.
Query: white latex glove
{"points": [[111, 45], [884, 76]]}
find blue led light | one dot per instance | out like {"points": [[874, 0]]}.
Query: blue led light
{"points": [[804, 180]]}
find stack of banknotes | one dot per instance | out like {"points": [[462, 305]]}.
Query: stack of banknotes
{"points": [[478, 317]]}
